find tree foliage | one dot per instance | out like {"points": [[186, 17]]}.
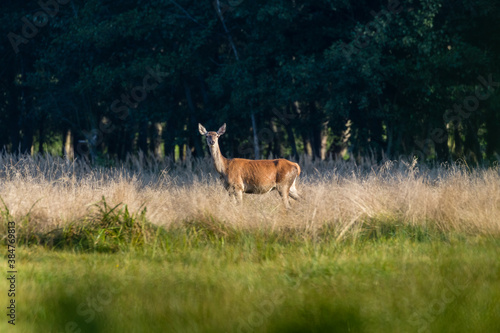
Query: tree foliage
{"points": [[321, 77]]}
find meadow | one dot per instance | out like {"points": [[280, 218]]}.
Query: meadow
{"points": [[152, 245]]}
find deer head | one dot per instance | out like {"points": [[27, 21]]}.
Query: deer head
{"points": [[212, 137]]}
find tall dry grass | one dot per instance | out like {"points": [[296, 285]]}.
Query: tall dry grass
{"points": [[344, 197]]}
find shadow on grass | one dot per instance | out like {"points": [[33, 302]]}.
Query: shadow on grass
{"points": [[318, 314], [61, 313]]}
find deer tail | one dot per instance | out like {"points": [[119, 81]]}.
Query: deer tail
{"points": [[298, 169]]}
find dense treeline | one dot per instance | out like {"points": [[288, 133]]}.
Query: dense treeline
{"points": [[105, 78]]}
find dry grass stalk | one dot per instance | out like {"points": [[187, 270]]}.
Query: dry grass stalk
{"points": [[339, 195]]}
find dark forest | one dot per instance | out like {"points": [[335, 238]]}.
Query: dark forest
{"points": [[329, 79]]}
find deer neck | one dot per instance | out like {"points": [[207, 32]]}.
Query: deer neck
{"points": [[220, 161]]}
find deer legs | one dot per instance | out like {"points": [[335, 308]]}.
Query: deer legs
{"points": [[236, 193], [293, 192], [283, 191], [287, 191]]}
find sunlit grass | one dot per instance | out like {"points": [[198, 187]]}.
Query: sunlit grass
{"points": [[202, 285], [343, 197], [153, 246]]}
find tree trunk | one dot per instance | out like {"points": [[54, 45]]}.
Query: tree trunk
{"points": [[68, 151], [204, 94], [26, 123], [27, 140], [255, 137], [291, 136], [316, 130], [472, 142], [155, 139], [193, 122], [492, 137], [25, 119], [169, 140], [277, 150], [442, 150], [143, 136], [291, 140], [324, 140], [390, 132], [458, 144], [41, 136], [128, 140], [398, 147], [307, 143]]}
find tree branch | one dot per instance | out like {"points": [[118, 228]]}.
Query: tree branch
{"points": [[229, 37], [187, 13]]}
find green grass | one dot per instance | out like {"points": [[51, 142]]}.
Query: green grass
{"points": [[383, 248], [204, 277]]}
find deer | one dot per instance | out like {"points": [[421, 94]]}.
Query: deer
{"points": [[252, 176]]}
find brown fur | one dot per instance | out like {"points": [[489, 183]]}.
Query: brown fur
{"points": [[253, 176]]}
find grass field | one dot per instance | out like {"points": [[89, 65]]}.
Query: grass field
{"points": [[151, 246]]}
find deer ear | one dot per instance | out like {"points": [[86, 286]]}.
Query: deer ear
{"points": [[221, 130], [202, 129]]}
